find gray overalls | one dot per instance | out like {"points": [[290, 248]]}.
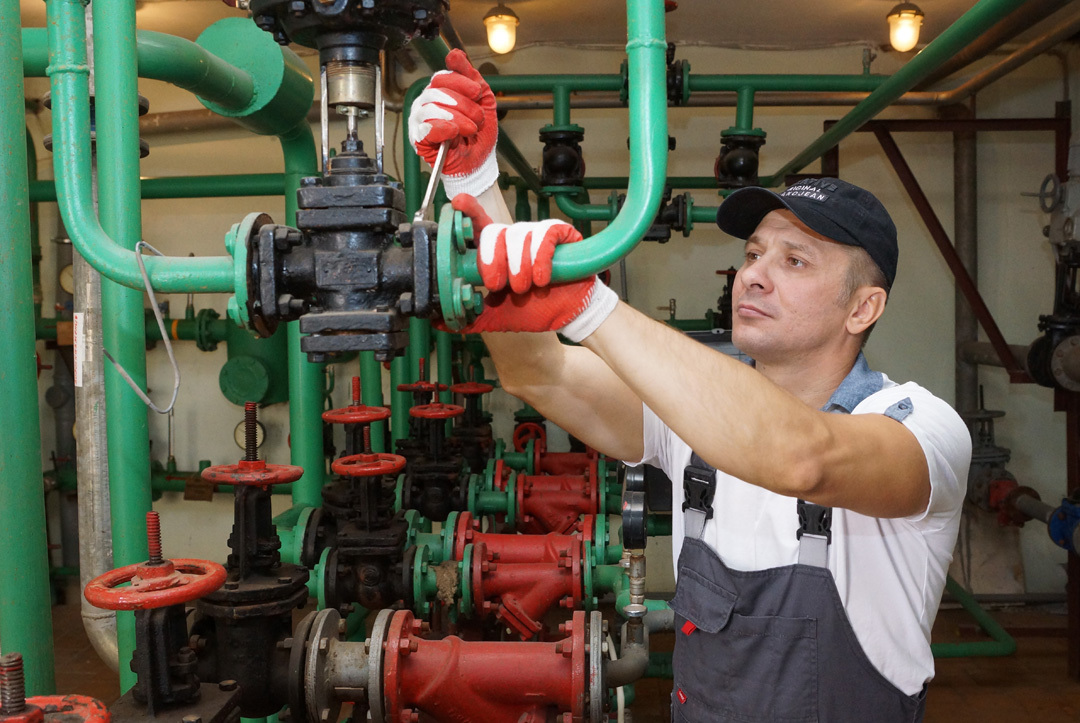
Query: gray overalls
{"points": [[775, 645]]}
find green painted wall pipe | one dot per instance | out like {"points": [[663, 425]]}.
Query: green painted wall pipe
{"points": [[560, 96], [372, 395], [444, 349], [123, 322], [606, 578], [241, 184], [744, 112], [399, 401], [645, 49], [703, 214], [621, 182], [659, 666], [958, 35], [563, 84], [68, 73], [1002, 644], [658, 525], [583, 212], [25, 612], [796, 83], [306, 380], [419, 349]]}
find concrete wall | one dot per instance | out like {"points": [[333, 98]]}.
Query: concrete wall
{"points": [[913, 341]]}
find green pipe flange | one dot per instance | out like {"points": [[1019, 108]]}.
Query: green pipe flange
{"points": [[414, 521], [447, 533], [475, 482], [399, 491], [511, 500], [236, 245], [298, 534], [489, 471], [530, 457], [601, 537], [572, 127], [460, 303], [588, 562], [685, 82], [465, 601], [421, 562], [500, 449], [319, 593]]}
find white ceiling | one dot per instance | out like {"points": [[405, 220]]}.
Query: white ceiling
{"points": [[726, 23]]}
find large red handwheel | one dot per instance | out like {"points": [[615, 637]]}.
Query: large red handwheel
{"points": [[71, 709], [422, 387], [527, 432], [155, 586], [356, 414], [436, 411], [255, 474], [470, 388], [368, 465]]}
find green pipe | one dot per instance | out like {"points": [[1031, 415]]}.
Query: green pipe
{"points": [[514, 158], [804, 83], [607, 578], [957, 36], [243, 184], [565, 83], [306, 379], [443, 347], [621, 182], [658, 525], [1002, 644], [744, 111], [371, 394], [703, 214], [659, 665], [583, 212], [622, 596], [560, 96], [123, 321], [35, 242], [165, 480], [399, 401], [419, 349], [25, 612]]}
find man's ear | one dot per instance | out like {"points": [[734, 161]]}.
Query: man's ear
{"points": [[868, 303]]}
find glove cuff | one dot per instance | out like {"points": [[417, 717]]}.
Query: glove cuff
{"points": [[475, 182], [599, 304]]}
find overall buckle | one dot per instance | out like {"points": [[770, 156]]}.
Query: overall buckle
{"points": [[699, 487], [814, 520]]}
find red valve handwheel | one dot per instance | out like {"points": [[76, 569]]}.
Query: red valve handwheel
{"points": [[422, 387], [356, 414], [368, 465], [254, 474], [436, 411], [469, 388], [528, 431], [154, 586], [71, 708]]}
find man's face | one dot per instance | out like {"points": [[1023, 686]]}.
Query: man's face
{"points": [[787, 300]]}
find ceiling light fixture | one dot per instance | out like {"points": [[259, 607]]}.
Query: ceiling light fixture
{"points": [[904, 22], [501, 24]]}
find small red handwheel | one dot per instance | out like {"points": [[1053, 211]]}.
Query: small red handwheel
{"points": [[154, 586], [526, 432], [436, 411], [71, 708], [368, 465], [470, 388], [254, 474], [356, 414], [422, 387]]}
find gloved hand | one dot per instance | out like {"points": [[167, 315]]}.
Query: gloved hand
{"points": [[458, 108], [520, 254]]}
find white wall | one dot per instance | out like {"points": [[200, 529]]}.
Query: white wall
{"points": [[913, 341]]}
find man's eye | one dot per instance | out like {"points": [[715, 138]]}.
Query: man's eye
{"points": [[794, 261]]}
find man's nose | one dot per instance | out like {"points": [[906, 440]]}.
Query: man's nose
{"points": [[754, 275]]}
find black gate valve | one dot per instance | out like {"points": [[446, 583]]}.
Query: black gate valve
{"points": [[678, 78], [563, 163], [737, 164]]}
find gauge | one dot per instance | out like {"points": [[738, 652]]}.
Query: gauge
{"points": [[67, 279]]}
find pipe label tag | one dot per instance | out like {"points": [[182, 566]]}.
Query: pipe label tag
{"points": [[79, 346]]}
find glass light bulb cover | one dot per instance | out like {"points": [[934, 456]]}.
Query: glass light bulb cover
{"points": [[501, 32]]}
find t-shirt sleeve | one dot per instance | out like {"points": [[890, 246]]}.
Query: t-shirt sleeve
{"points": [[655, 440], [945, 442]]}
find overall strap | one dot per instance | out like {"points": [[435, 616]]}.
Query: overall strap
{"points": [[815, 534], [699, 488]]}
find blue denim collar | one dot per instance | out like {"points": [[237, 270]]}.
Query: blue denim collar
{"points": [[859, 384]]}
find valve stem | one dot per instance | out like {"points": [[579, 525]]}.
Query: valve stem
{"points": [[153, 537], [367, 439], [12, 684], [356, 391], [251, 450]]}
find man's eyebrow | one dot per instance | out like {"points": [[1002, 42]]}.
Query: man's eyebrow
{"points": [[797, 247]]}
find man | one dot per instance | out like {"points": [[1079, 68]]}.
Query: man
{"points": [[820, 500]]}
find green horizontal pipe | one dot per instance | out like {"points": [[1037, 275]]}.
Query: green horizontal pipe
{"points": [[658, 525], [556, 83], [513, 157], [606, 578], [622, 596], [249, 184], [162, 480], [796, 83], [1002, 643], [583, 212], [676, 182], [957, 36], [703, 214], [659, 665]]}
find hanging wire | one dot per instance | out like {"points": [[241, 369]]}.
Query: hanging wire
{"points": [[164, 337]]}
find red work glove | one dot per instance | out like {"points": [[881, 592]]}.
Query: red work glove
{"points": [[521, 254], [458, 107]]}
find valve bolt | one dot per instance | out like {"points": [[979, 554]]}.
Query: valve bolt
{"points": [[356, 391], [367, 439], [250, 432], [12, 684], [153, 537]]}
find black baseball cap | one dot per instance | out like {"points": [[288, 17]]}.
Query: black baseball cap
{"points": [[836, 209]]}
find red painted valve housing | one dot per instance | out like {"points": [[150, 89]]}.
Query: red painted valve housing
{"points": [[494, 682], [553, 503]]}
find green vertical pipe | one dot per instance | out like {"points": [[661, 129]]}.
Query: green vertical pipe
{"points": [[744, 110], [1002, 644], [123, 334], [35, 243], [371, 395], [444, 348], [399, 401], [25, 617], [522, 208], [958, 35], [561, 105], [419, 349], [306, 380], [543, 208]]}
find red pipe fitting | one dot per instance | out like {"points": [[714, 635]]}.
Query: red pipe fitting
{"points": [[494, 682], [513, 549], [578, 463], [553, 503]]}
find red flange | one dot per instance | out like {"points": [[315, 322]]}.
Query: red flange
{"points": [[529, 431], [71, 709], [436, 411], [155, 586], [255, 474], [368, 465], [356, 414], [422, 387], [471, 388]]}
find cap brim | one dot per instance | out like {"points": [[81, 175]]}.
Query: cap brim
{"points": [[743, 210]]}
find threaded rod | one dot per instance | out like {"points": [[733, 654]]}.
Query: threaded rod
{"points": [[356, 391], [251, 447], [12, 684], [153, 537]]}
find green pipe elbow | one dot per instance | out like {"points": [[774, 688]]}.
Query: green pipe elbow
{"points": [[192, 67]]}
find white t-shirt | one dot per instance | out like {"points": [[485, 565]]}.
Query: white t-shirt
{"points": [[890, 573]]}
